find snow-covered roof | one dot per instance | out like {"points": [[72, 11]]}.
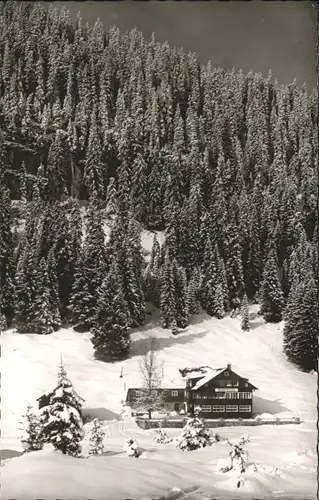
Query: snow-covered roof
{"points": [[207, 378], [197, 372]]}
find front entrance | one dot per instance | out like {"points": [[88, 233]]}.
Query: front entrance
{"points": [[177, 407]]}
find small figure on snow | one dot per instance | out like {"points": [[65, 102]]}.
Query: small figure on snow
{"points": [[131, 448]]}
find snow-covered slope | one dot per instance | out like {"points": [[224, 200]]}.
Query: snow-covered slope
{"points": [[29, 368]]}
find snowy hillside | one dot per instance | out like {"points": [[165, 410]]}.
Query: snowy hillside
{"points": [[29, 368]]}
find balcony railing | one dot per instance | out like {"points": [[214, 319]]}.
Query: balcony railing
{"points": [[223, 395]]}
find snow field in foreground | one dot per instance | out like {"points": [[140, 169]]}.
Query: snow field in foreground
{"points": [[29, 369], [114, 476]]}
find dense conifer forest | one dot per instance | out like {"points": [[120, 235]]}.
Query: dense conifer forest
{"points": [[224, 163]]}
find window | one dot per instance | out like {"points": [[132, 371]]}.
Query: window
{"points": [[231, 395], [231, 408], [218, 408], [197, 396], [244, 395], [174, 393], [138, 393], [206, 408], [246, 384], [226, 374], [245, 409], [169, 406], [232, 383], [227, 383]]}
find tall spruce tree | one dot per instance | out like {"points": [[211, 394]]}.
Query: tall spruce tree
{"points": [[245, 326], [168, 293], [182, 313], [7, 284], [44, 321], [233, 266], [301, 325], [193, 290], [110, 333], [151, 275], [211, 292], [91, 268], [130, 261], [271, 295]]}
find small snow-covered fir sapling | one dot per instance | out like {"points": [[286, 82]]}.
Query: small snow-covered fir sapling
{"points": [[238, 456], [96, 438], [162, 437], [61, 419], [31, 431], [194, 435]]}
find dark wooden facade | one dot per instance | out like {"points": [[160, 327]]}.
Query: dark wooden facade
{"points": [[224, 395], [220, 393], [174, 399]]}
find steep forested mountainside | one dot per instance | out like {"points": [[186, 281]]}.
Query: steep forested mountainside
{"points": [[225, 163]]}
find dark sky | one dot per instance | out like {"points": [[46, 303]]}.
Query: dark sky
{"points": [[257, 35]]}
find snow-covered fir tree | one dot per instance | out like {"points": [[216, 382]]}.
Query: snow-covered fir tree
{"points": [[111, 205], [211, 291], [44, 320], [110, 332], [194, 435], [168, 293], [271, 295], [96, 437], [244, 312], [162, 437], [193, 288], [238, 456], [31, 430], [301, 326], [3, 323], [182, 314], [61, 420], [151, 275], [7, 288], [90, 268], [234, 267]]}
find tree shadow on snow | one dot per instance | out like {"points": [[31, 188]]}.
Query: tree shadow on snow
{"points": [[110, 453], [138, 346], [262, 405], [257, 324], [4, 454], [200, 318], [89, 414]]}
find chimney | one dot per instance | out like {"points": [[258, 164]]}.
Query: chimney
{"points": [[229, 366]]}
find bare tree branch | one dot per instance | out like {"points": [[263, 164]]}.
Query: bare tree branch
{"points": [[151, 397]]}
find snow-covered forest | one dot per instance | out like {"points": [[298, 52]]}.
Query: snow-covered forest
{"points": [[225, 164]]}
